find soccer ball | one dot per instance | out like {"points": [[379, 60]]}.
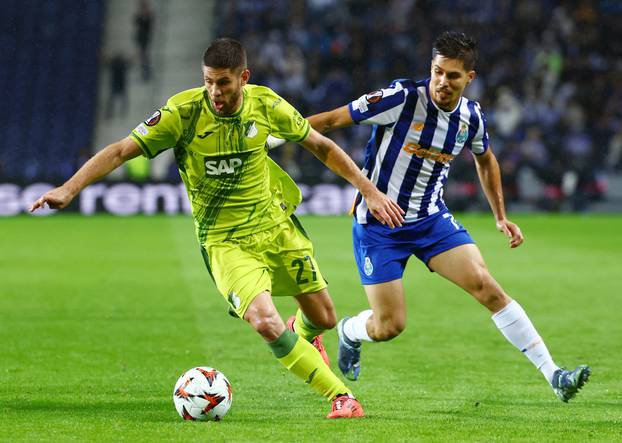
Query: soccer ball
{"points": [[202, 393]]}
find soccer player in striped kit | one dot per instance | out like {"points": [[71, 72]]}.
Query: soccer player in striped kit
{"points": [[418, 128]]}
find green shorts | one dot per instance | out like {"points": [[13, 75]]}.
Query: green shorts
{"points": [[278, 260]]}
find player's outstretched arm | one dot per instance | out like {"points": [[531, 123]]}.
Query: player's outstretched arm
{"points": [[385, 210], [322, 122], [98, 166], [335, 119], [490, 178]]}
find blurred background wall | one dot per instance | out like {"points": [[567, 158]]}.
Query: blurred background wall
{"points": [[76, 75]]}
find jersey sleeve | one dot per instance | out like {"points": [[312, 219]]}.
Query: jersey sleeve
{"points": [[274, 142], [479, 145], [381, 107], [158, 133], [285, 121]]}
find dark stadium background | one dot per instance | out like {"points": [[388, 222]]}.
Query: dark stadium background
{"points": [[549, 79]]}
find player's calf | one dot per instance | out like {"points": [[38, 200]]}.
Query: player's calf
{"points": [[317, 312], [328, 320], [386, 330]]}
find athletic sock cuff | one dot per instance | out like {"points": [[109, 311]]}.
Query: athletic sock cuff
{"points": [[284, 344], [508, 315], [355, 328]]}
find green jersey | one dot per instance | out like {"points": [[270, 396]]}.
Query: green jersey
{"points": [[235, 189]]}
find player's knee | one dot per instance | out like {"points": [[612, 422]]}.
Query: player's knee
{"points": [[488, 292], [323, 316], [268, 327], [266, 322], [477, 282]]}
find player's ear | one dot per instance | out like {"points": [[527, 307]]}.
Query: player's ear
{"points": [[246, 74], [471, 76]]}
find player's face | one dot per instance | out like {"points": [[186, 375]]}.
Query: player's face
{"points": [[224, 87], [449, 78]]}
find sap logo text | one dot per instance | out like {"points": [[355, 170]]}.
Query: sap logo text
{"points": [[421, 152], [226, 166]]}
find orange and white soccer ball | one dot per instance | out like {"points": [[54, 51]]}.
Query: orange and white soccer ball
{"points": [[202, 393]]}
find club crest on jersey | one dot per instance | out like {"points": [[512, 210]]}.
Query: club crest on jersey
{"points": [[462, 134], [250, 129], [154, 119], [374, 97], [368, 267], [222, 167]]}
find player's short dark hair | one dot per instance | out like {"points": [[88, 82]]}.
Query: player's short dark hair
{"points": [[456, 45], [225, 53]]}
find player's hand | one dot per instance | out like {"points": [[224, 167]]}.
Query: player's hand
{"points": [[385, 210], [57, 198], [512, 231]]}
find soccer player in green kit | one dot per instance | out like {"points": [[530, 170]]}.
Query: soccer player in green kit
{"points": [[243, 204]]}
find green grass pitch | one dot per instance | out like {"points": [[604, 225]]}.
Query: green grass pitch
{"points": [[100, 315]]}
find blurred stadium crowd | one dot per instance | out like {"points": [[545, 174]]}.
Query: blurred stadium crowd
{"points": [[48, 84], [549, 80]]}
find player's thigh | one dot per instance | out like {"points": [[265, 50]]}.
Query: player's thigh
{"points": [[240, 274], [291, 261], [462, 265], [388, 303], [465, 267], [318, 308]]}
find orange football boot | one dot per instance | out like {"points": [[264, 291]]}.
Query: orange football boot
{"points": [[346, 407]]}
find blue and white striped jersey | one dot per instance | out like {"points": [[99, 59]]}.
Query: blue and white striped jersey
{"points": [[412, 143]]}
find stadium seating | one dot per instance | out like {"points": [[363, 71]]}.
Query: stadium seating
{"points": [[49, 59]]}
